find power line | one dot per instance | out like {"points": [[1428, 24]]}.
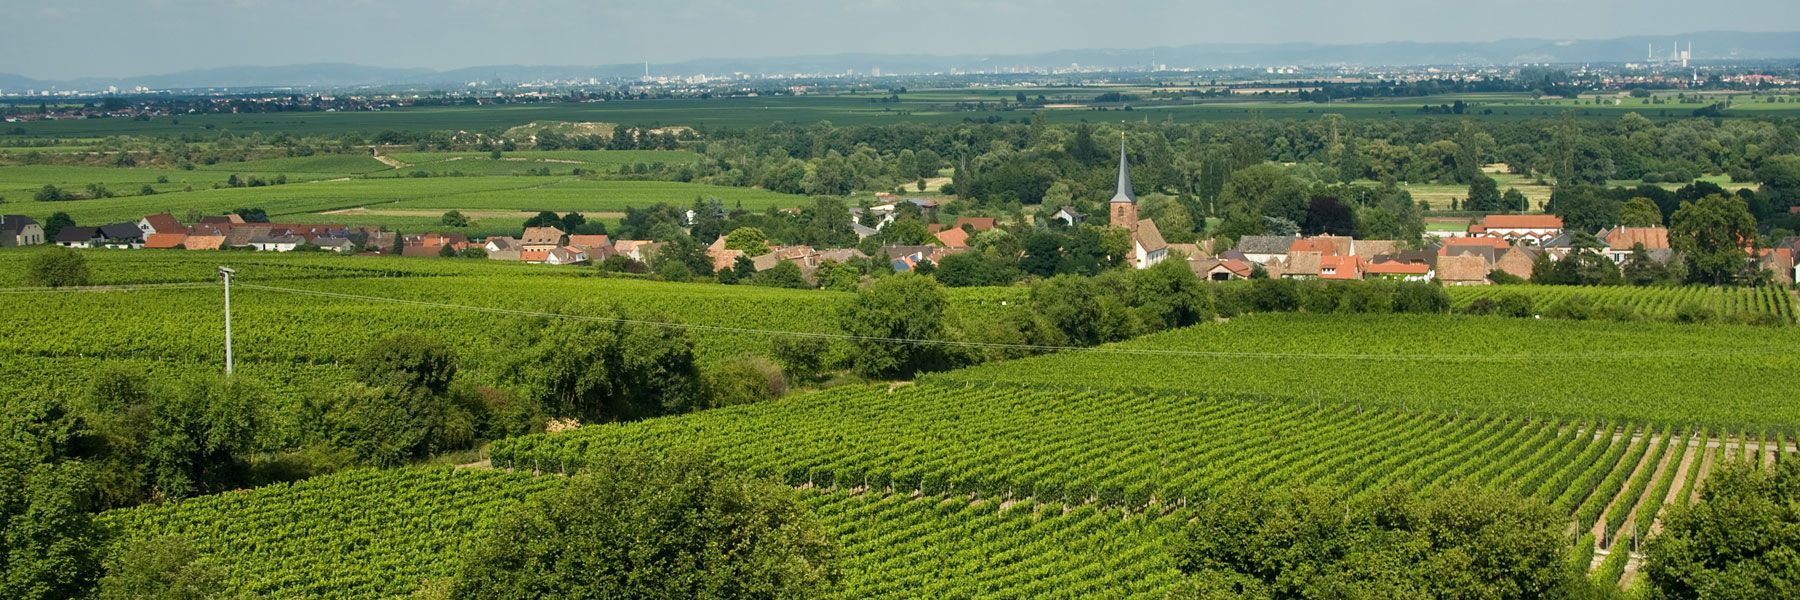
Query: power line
{"points": [[967, 344]]}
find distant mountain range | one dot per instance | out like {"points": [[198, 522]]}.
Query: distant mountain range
{"points": [[1708, 46]]}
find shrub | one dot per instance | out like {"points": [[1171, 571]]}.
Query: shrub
{"points": [[56, 266]]}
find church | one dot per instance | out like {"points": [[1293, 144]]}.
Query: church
{"points": [[1147, 246]]}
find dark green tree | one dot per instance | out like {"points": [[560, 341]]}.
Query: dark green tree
{"points": [[1738, 541], [907, 306], [633, 527], [1711, 235]]}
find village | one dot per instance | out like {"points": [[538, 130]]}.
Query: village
{"points": [[1500, 248]]}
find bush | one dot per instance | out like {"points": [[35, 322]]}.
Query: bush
{"points": [[1515, 305], [1578, 307], [802, 358], [1694, 312], [744, 380], [56, 266], [644, 528], [1481, 306], [1421, 298]]}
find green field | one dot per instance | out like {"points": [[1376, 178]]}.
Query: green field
{"points": [[1653, 372], [1765, 304], [921, 106], [405, 203], [407, 527]]}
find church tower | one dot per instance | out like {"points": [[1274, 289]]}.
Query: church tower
{"points": [[1124, 202]]}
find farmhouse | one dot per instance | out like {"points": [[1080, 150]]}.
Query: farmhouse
{"points": [[565, 256], [123, 236], [165, 241], [19, 230], [1260, 248], [1620, 241], [1518, 261], [1531, 229], [1396, 270], [77, 237], [1462, 269], [541, 238], [160, 223]]}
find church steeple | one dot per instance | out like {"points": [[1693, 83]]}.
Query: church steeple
{"points": [[1124, 202], [1124, 193]]}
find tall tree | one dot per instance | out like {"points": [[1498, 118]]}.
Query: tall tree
{"points": [[1711, 235]]}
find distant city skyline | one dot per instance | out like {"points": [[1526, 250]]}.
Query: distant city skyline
{"points": [[110, 38]]}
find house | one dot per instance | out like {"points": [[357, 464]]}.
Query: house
{"points": [[1260, 248], [1397, 270], [1304, 264], [638, 250], [379, 241], [588, 243], [842, 255], [1147, 245], [1451, 245], [1619, 241], [953, 238], [1325, 245], [498, 246], [1462, 269], [976, 223], [1340, 267], [20, 230], [533, 256], [1532, 229], [541, 238], [340, 245], [565, 255], [165, 241], [1068, 216], [272, 241], [1517, 261], [1212, 269], [203, 237], [863, 231], [224, 221], [122, 236], [1373, 247], [160, 223], [78, 237]]}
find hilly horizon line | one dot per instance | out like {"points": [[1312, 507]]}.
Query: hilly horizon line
{"points": [[1506, 51]]}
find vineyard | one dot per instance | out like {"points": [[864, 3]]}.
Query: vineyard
{"points": [[967, 491], [367, 534], [1723, 375], [1658, 303]]}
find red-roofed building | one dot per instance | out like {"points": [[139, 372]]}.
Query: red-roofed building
{"points": [[1340, 267], [164, 241], [1497, 244], [954, 238], [533, 256], [1532, 228], [977, 223], [1393, 269]]}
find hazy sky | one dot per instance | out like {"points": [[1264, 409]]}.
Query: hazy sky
{"points": [[65, 39]]}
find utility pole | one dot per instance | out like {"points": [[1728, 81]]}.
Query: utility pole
{"points": [[226, 272]]}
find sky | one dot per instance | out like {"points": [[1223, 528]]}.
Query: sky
{"points": [[68, 39]]}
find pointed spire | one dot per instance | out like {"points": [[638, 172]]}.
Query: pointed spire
{"points": [[1124, 194]]}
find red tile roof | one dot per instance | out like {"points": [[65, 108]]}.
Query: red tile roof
{"points": [[1394, 267], [1522, 222], [954, 238], [1624, 238], [979, 223], [164, 241], [1475, 241]]}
